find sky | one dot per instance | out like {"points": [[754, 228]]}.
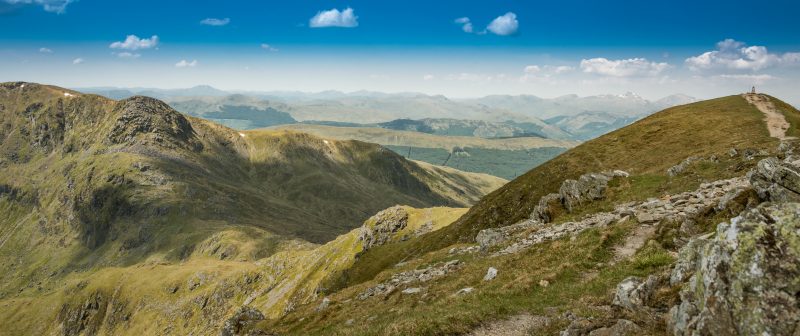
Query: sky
{"points": [[455, 48]]}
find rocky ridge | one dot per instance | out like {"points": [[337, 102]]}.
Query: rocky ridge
{"points": [[573, 193], [403, 279], [681, 208], [379, 229], [741, 279]]}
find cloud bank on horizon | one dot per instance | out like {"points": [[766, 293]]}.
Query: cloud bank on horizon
{"points": [[467, 49]]}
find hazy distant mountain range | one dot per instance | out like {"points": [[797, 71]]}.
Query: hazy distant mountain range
{"points": [[566, 117]]}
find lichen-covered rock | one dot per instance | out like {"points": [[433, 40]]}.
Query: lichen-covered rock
{"points": [[573, 193], [776, 181], [734, 198], [745, 278], [633, 293], [411, 277], [544, 211], [785, 147], [324, 304], [380, 229], [681, 208], [491, 273], [240, 320], [679, 168], [588, 187], [621, 328], [688, 260], [489, 237]]}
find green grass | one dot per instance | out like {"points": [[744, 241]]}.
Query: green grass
{"points": [[81, 206], [581, 281], [645, 149]]}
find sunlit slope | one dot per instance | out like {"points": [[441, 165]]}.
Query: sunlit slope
{"points": [[88, 182], [647, 149], [196, 295]]}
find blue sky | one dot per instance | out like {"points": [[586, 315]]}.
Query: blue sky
{"points": [[456, 48]]}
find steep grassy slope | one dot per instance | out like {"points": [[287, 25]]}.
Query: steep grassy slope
{"points": [[578, 273], [646, 149], [196, 296], [89, 185]]}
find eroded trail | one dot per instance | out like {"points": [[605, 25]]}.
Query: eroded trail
{"points": [[776, 122]]}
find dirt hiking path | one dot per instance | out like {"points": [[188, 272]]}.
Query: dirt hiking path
{"points": [[776, 122]]}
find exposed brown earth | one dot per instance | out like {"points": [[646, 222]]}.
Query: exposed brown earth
{"points": [[776, 122]]}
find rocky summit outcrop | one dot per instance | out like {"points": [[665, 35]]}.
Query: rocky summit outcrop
{"points": [[145, 120], [380, 229], [573, 193], [744, 280], [776, 181]]}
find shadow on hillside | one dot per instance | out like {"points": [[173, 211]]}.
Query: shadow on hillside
{"points": [[305, 196]]}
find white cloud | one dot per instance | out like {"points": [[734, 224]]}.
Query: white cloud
{"points": [[334, 18], [466, 24], [543, 73], [504, 25], [532, 69], [186, 64], [127, 55], [133, 42], [734, 55], [562, 69], [53, 6], [268, 47], [215, 22], [78, 61], [754, 79], [428, 77], [45, 50], [633, 67]]}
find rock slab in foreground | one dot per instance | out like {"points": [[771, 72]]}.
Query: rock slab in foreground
{"points": [[745, 279]]}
